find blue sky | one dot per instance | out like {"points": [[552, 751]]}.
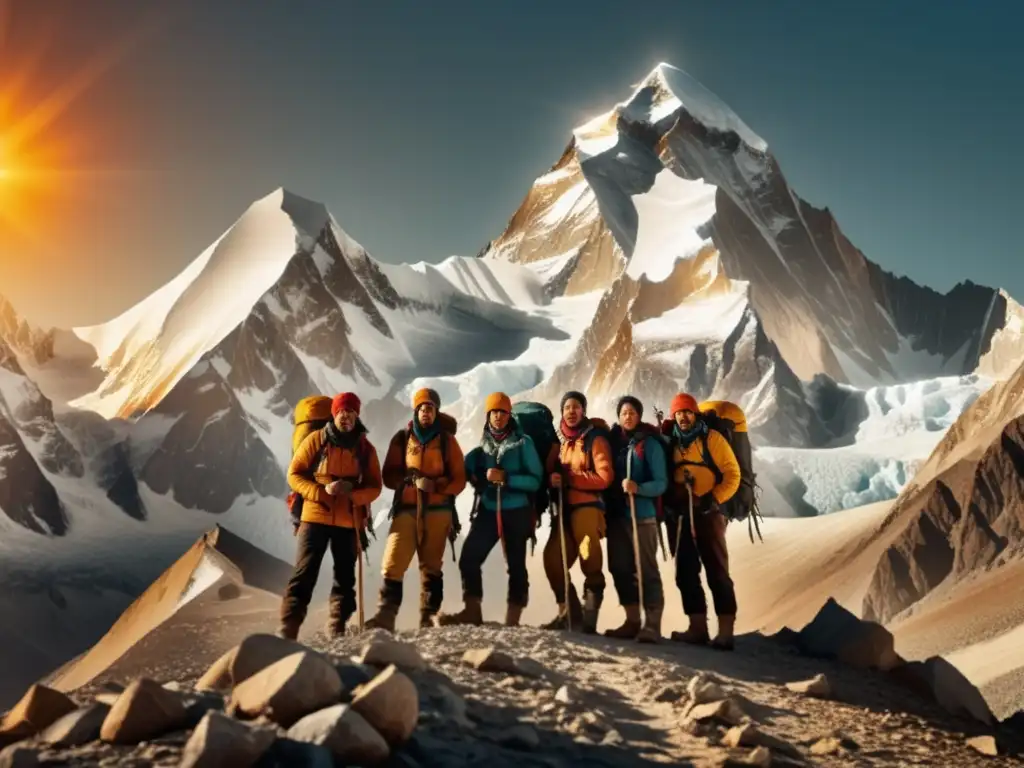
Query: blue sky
{"points": [[422, 125]]}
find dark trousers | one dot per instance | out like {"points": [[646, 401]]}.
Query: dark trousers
{"points": [[709, 550], [622, 562], [313, 541], [517, 525]]}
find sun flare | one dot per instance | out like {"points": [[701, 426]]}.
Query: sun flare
{"points": [[43, 165]]}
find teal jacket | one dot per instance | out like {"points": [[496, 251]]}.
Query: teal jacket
{"points": [[648, 467], [516, 455]]}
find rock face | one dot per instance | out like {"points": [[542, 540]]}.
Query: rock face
{"points": [[965, 509]]}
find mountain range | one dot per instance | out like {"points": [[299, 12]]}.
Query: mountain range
{"points": [[664, 250]]}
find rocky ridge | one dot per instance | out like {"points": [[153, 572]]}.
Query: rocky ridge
{"points": [[462, 696]]}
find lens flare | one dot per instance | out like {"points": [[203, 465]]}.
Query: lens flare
{"points": [[40, 148]]}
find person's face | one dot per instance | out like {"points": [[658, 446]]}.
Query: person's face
{"points": [[346, 420], [499, 420], [572, 412], [686, 419], [628, 417], [426, 414]]}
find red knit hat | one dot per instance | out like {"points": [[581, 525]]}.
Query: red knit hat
{"points": [[346, 401], [683, 402]]}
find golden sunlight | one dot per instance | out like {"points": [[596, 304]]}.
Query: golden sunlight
{"points": [[40, 153]]}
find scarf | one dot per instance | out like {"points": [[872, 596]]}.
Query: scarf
{"points": [[686, 437], [339, 439], [571, 433], [425, 434], [499, 437]]}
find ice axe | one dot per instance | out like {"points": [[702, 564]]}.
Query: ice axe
{"points": [[501, 531]]}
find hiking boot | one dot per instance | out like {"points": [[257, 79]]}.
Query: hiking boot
{"points": [[630, 627], [512, 615], [651, 633], [561, 621], [385, 618], [724, 640], [696, 633], [591, 607], [470, 614], [427, 619]]}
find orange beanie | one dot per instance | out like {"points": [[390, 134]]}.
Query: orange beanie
{"points": [[423, 396], [684, 402], [498, 401]]}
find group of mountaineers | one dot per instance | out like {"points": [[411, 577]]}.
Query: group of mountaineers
{"points": [[691, 472]]}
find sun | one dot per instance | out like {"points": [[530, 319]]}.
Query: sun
{"points": [[41, 149]]}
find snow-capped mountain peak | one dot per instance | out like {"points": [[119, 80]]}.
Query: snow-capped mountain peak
{"points": [[147, 349]]}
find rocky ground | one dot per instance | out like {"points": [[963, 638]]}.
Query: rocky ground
{"points": [[494, 696]]}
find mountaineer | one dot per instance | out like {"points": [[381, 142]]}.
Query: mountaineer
{"points": [[506, 471], [337, 474], [425, 468], [641, 477], [580, 470], [700, 456]]}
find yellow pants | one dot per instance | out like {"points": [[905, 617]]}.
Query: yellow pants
{"points": [[585, 523], [402, 544]]}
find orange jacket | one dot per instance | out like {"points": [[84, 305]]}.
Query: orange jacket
{"points": [[337, 463], [585, 476], [405, 453], [703, 478]]}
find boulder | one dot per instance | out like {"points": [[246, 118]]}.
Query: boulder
{"points": [[835, 633], [144, 711], [384, 653], [253, 654], [288, 689], [567, 694], [78, 727], [702, 689], [352, 676], [343, 731], [220, 740], [955, 693], [490, 660], [727, 711], [817, 687], [390, 703], [35, 711]]}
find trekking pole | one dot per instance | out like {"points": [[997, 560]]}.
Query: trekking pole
{"points": [[565, 557], [636, 531], [359, 571], [501, 531], [693, 521]]}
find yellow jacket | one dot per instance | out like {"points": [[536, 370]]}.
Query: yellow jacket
{"points": [[337, 463], [405, 453], [691, 459]]}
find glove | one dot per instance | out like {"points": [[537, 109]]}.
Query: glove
{"points": [[497, 476], [338, 487]]}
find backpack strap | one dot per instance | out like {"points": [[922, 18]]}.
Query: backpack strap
{"points": [[710, 460]]}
